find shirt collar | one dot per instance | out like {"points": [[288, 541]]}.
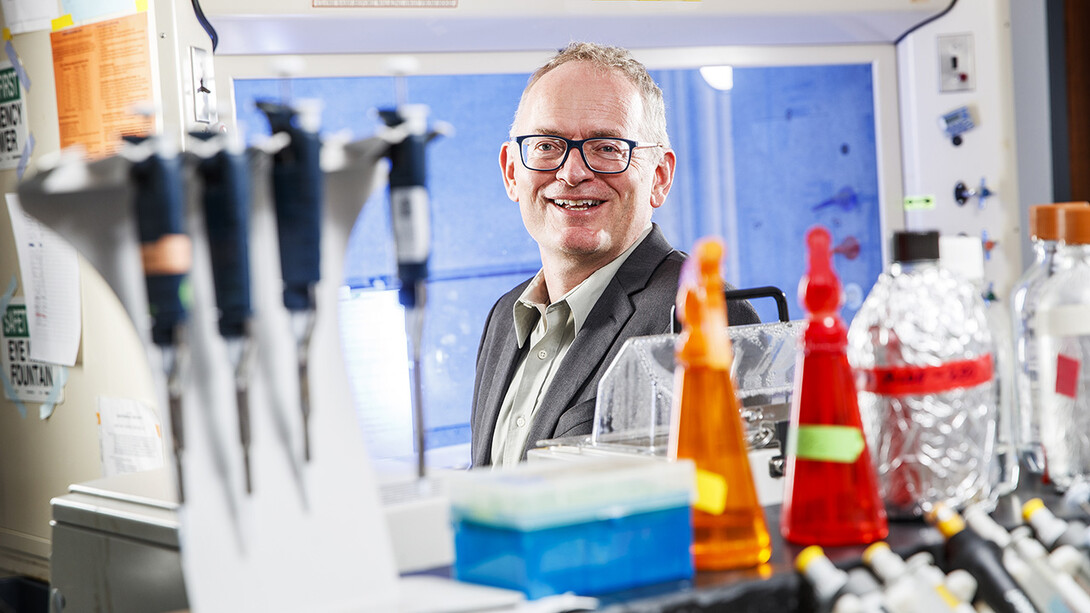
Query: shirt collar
{"points": [[533, 301]]}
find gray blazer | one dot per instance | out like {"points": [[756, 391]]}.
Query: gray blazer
{"points": [[636, 302]]}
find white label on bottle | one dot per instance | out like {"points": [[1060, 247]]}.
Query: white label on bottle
{"points": [[1067, 320]]}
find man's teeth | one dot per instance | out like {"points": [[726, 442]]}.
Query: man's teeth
{"points": [[577, 205]]}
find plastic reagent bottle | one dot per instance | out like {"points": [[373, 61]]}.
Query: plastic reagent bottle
{"points": [[1028, 567], [729, 529], [1053, 531], [922, 352], [898, 578], [1062, 326], [831, 491], [828, 582], [983, 559], [958, 583], [1064, 582], [837, 591], [1068, 540], [1044, 232]]}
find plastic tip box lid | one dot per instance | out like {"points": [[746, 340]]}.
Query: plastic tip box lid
{"points": [[532, 496]]}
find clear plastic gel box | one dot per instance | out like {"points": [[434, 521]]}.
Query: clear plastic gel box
{"points": [[590, 526], [636, 392]]}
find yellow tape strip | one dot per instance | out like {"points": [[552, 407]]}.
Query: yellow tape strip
{"points": [[62, 22], [711, 492], [7, 34], [141, 6]]}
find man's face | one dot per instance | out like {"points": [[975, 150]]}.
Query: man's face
{"points": [[573, 213]]}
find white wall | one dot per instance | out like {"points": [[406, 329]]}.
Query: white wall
{"points": [[40, 459], [933, 165]]}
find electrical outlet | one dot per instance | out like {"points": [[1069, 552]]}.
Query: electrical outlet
{"points": [[204, 87], [957, 67]]}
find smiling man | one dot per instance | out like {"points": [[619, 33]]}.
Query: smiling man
{"points": [[588, 161]]}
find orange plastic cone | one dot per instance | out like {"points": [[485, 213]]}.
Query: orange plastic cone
{"points": [[729, 529]]}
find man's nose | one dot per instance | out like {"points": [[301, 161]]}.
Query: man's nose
{"points": [[574, 170]]}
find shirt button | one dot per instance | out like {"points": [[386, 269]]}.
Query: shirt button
{"points": [[541, 355], [520, 422]]}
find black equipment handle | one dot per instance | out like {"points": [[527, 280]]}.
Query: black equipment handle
{"points": [[768, 291]]}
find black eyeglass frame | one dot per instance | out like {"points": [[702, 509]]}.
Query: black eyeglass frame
{"points": [[578, 144]]}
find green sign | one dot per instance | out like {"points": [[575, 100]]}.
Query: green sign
{"points": [[15, 322], [9, 85]]}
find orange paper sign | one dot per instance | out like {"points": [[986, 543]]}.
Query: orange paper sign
{"points": [[103, 72]]}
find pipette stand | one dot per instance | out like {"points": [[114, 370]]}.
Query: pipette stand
{"points": [[312, 535]]}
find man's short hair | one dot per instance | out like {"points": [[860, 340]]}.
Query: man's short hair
{"points": [[614, 58]]}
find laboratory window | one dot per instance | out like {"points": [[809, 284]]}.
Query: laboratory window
{"points": [[782, 149]]}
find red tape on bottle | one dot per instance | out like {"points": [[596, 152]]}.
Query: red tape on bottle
{"points": [[915, 380]]}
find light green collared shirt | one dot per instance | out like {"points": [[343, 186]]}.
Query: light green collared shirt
{"points": [[550, 329]]}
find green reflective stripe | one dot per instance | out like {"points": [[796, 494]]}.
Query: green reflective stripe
{"points": [[919, 203], [828, 443]]}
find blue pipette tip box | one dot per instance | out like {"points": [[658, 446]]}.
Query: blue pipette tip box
{"points": [[588, 528]]}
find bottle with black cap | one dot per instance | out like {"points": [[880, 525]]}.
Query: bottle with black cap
{"points": [[922, 352], [983, 559]]}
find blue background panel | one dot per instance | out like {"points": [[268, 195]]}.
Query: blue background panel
{"points": [[475, 226], [804, 151], [787, 148]]}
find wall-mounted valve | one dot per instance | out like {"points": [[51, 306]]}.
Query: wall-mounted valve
{"points": [[962, 193], [988, 244]]}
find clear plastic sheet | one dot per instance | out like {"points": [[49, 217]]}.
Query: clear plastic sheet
{"points": [[636, 394]]}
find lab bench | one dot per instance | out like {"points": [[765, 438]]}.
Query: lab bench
{"points": [[775, 587]]}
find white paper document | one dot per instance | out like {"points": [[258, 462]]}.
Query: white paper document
{"points": [[129, 436], [29, 15], [49, 268]]}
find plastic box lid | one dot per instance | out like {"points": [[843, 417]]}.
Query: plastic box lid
{"points": [[533, 496], [635, 395]]}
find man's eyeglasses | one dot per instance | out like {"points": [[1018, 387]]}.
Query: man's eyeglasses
{"points": [[608, 156]]}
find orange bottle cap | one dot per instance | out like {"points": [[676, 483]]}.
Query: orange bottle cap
{"points": [[1043, 219], [1073, 224]]}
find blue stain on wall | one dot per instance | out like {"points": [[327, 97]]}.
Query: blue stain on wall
{"points": [[804, 154], [788, 146], [845, 199]]}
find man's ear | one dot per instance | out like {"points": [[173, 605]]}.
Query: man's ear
{"points": [[508, 159], [664, 178]]}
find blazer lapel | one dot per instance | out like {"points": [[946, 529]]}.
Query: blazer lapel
{"points": [[599, 333], [583, 359]]}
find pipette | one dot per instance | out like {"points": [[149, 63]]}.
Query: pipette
{"points": [[409, 217], [166, 253], [226, 175], [297, 191]]}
